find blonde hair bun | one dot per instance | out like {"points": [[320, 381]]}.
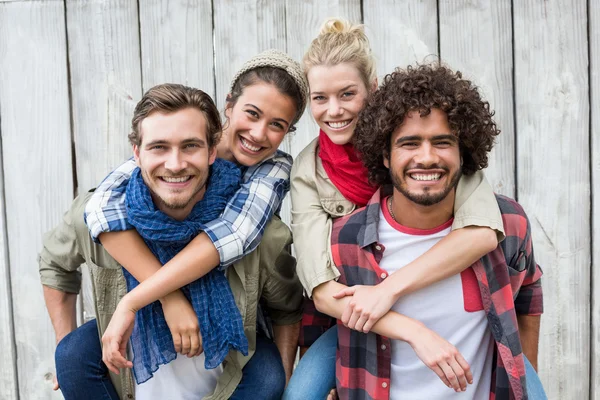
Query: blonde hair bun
{"points": [[340, 25]]}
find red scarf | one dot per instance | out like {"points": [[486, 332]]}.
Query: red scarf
{"points": [[345, 170]]}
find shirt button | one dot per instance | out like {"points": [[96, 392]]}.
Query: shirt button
{"points": [[383, 347], [378, 248], [130, 396], [384, 385], [383, 275], [339, 208]]}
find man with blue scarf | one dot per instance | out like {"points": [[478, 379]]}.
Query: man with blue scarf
{"points": [[178, 186]]}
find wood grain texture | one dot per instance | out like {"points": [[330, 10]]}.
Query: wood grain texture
{"points": [[552, 114], [176, 41], [594, 35], [105, 84], [8, 366], [401, 32], [244, 28], [38, 181], [476, 39]]}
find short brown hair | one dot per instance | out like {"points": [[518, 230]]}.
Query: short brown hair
{"points": [[420, 89], [172, 97]]}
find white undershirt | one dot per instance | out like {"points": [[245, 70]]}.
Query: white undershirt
{"points": [[441, 307], [182, 379]]}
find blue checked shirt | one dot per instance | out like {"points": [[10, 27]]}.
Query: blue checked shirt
{"points": [[235, 233]]}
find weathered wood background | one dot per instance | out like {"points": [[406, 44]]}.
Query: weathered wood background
{"points": [[72, 70]]}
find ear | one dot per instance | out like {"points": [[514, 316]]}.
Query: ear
{"points": [[386, 160], [228, 105], [212, 155], [136, 154], [374, 85]]}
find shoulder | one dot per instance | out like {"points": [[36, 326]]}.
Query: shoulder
{"points": [[306, 161], [513, 216]]}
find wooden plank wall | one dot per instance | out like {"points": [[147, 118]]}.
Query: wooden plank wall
{"points": [[72, 71]]}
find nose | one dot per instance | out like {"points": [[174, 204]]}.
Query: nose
{"points": [[335, 108], [175, 162], [259, 132], [426, 155]]}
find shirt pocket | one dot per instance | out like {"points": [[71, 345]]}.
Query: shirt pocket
{"points": [[108, 285], [337, 207]]}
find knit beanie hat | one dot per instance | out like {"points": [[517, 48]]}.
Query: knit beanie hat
{"points": [[277, 59]]}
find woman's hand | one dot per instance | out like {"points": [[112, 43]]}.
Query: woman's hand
{"points": [[368, 304], [183, 324], [442, 358], [116, 336]]}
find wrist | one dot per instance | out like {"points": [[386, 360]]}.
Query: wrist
{"points": [[413, 330], [392, 288], [178, 294]]}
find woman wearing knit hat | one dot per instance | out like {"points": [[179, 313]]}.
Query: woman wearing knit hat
{"points": [[267, 98], [329, 181]]}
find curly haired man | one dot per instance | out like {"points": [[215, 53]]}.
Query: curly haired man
{"points": [[424, 128]]}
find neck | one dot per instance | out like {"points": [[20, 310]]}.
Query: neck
{"points": [[223, 150], [413, 215]]}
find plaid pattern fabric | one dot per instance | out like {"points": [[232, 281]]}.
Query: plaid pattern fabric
{"points": [[314, 324], [236, 233], [509, 282], [220, 320]]}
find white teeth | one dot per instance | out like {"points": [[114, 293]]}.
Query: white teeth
{"points": [[338, 125], [425, 177], [172, 179], [248, 145]]}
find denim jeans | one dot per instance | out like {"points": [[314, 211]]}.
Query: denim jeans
{"points": [[318, 367], [82, 374]]}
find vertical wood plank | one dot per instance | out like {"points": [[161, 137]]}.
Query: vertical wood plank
{"points": [[552, 115], [401, 32], [38, 182], [177, 46], [594, 30], [476, 39], [105, 84], [244, 28]]}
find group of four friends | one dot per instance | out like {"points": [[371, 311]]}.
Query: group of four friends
{"points": [[411, 278]]}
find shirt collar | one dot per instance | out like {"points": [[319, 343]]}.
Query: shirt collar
{"points": [[369, 218]]}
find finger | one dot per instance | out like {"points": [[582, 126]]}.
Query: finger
{"points": [[460, 374], [349, 291], [201, 349], [361, 322], [333, 394], [354, 319], [55, 385], [438, 371], [348, 310], [450, 375], [194, 345], [466, 367], [369, 324], [185, 344], [176, 341]]}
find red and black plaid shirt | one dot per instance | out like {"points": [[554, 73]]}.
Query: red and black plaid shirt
{"points": [[509, 283]]}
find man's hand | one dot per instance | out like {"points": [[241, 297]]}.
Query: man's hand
{"points": [[332, 395], [442, 358], [368, 304], [183, 323], [115, 338]]}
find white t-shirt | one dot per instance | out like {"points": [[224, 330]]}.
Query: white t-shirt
{"points": [[182, 379], [442, 307]]}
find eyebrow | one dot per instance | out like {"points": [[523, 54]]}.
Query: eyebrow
{"points": [[413, 138], [201, 142], [261, 112], [341, 90]]}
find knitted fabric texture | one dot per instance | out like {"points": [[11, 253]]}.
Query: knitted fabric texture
{"points": [[277, 59], [211, 297]]}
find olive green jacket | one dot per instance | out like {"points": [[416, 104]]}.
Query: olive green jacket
{"points": [[267, 274]]}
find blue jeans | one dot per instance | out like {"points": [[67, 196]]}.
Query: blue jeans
{"points": [[82, 374], [318, 367]]}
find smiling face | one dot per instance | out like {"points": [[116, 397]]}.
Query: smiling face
{"points": [[174, 159], [424, 159], [337, 95], [256, 124]]}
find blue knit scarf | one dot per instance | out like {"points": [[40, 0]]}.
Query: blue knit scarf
{"points": [[220, 321]]}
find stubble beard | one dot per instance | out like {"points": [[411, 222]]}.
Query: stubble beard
{"points": [[177, 204]]}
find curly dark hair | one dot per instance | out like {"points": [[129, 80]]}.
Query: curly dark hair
{"points": [[422, 88]]}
